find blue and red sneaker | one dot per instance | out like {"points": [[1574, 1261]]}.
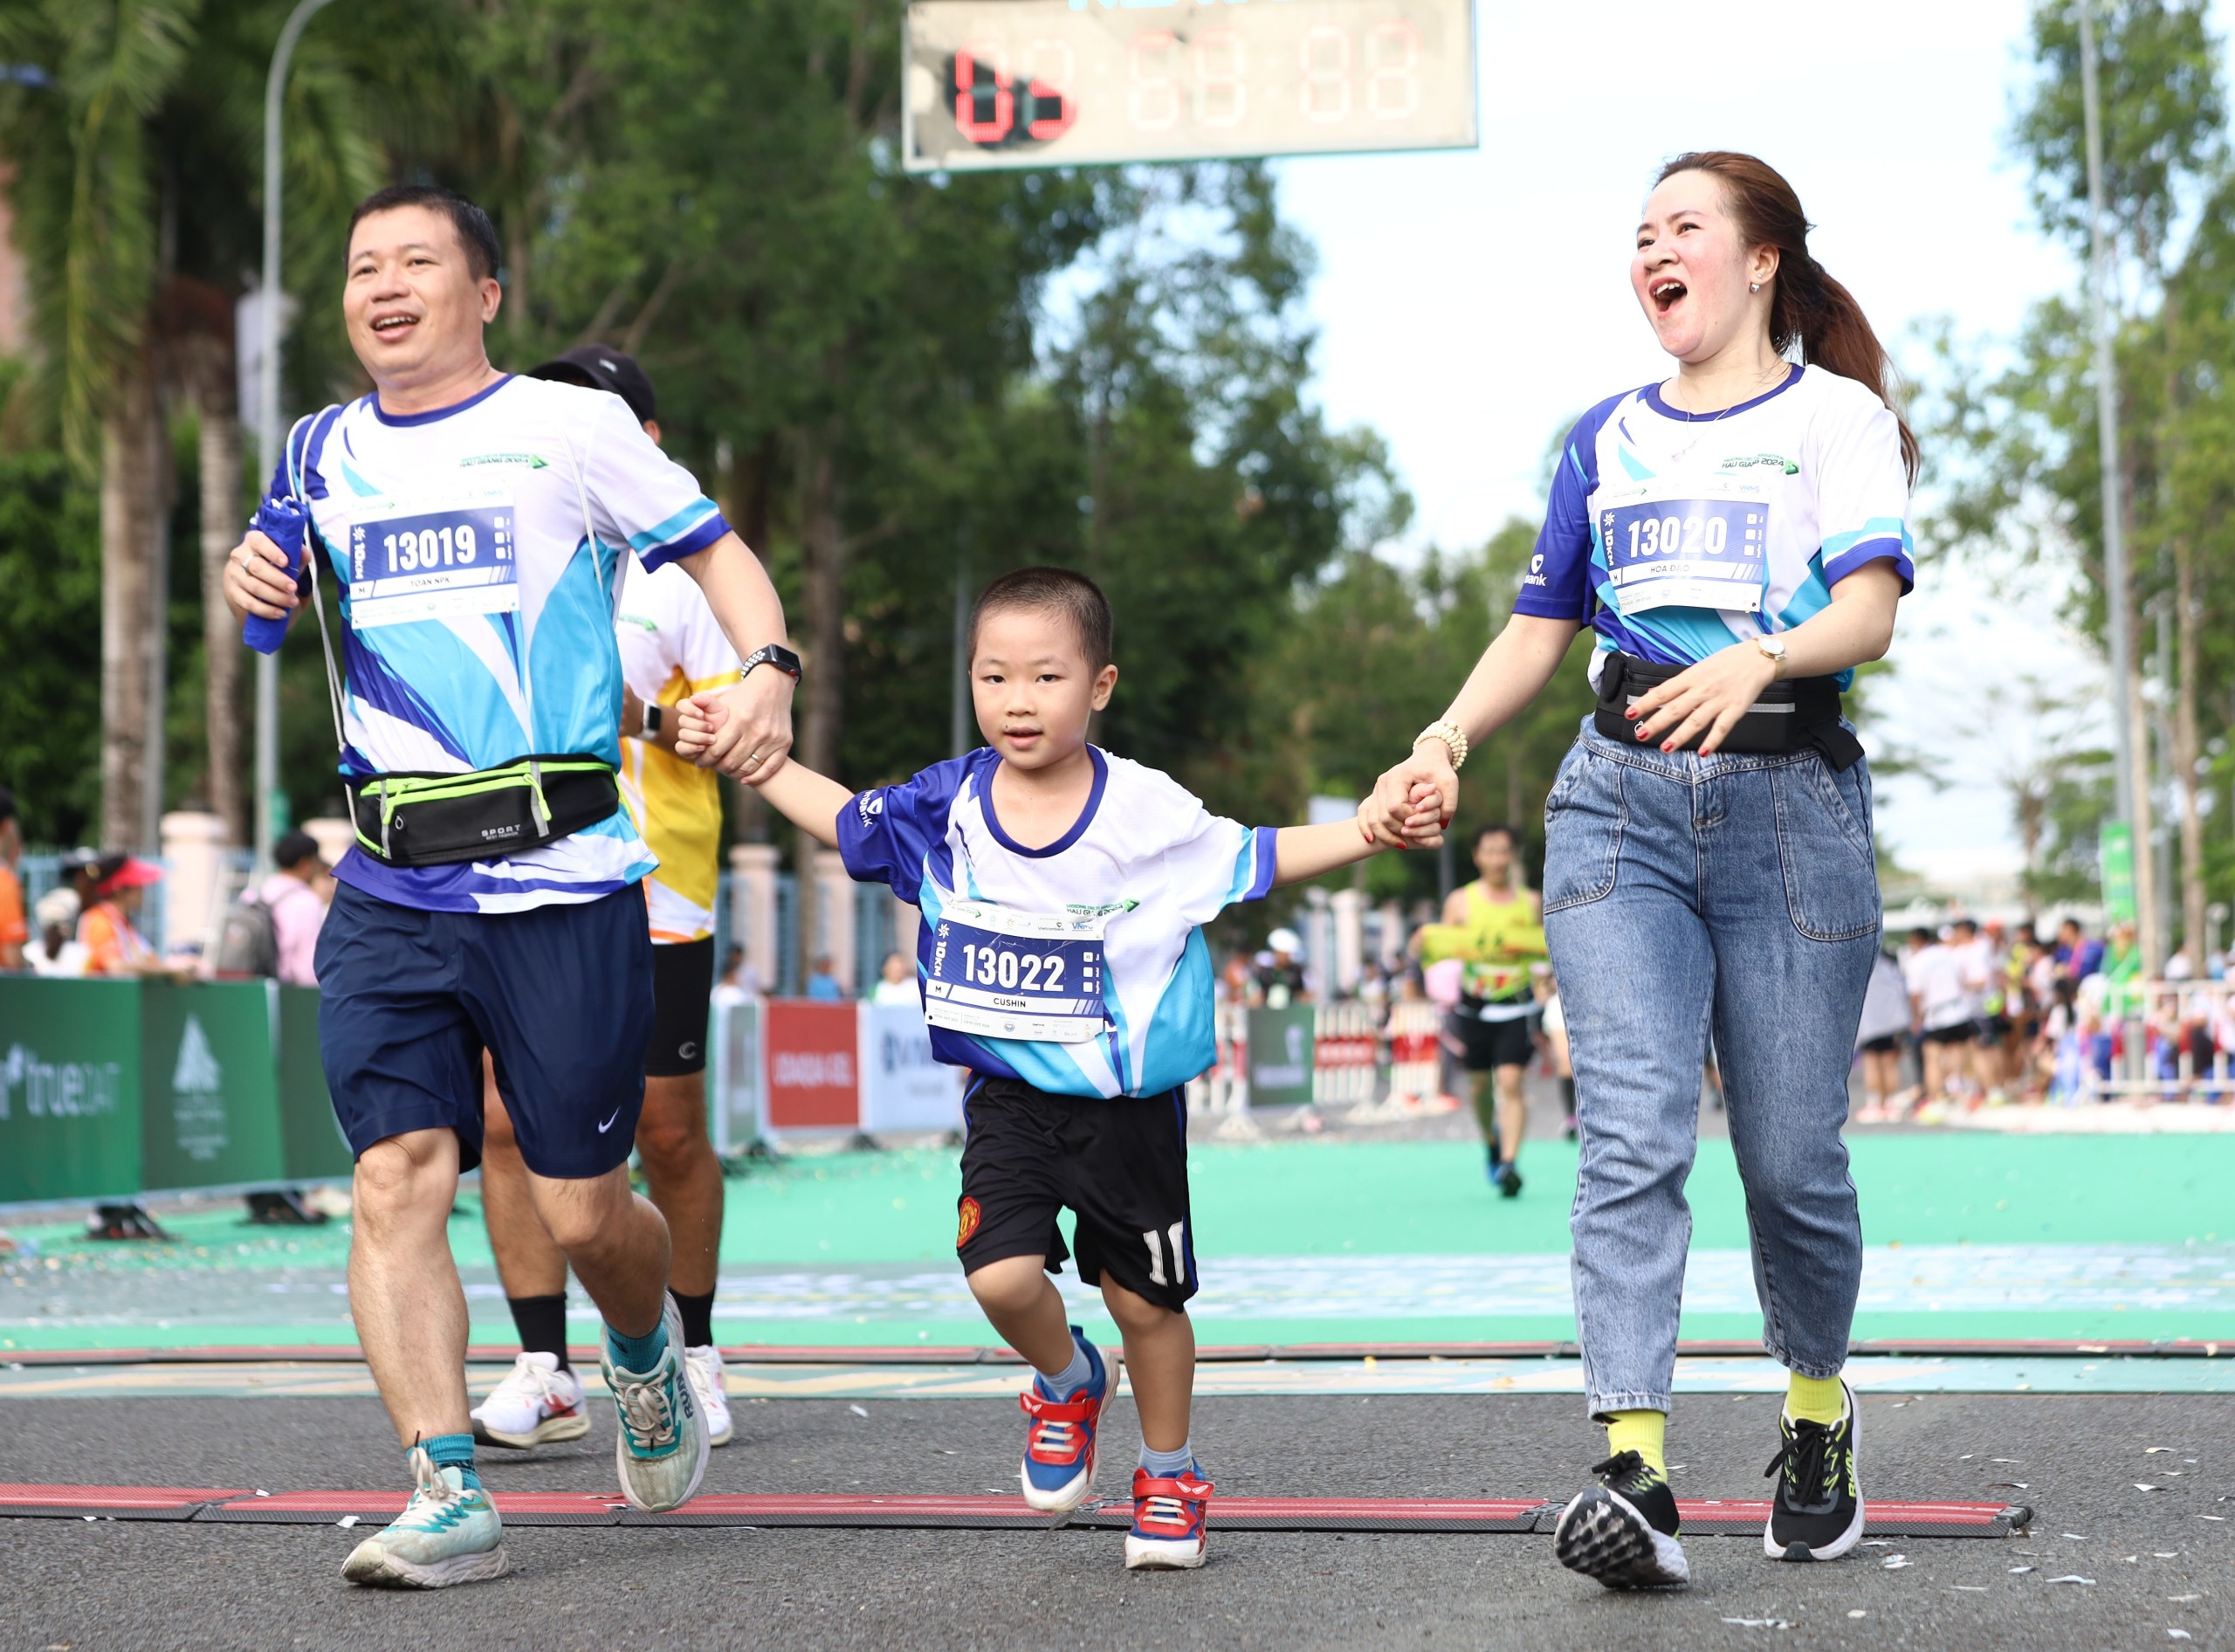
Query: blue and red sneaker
{"points": [[1169, 1516], [1058, 1468]]}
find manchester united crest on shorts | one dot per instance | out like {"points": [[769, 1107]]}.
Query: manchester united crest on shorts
{"points": [[969, 1224]]}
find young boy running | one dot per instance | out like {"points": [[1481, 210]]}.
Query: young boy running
{"points": [[1061, 964]]}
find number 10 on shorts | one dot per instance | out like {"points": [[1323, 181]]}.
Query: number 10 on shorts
{"points": [[1176, 1236]]}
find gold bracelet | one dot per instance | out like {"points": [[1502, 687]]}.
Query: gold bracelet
{"points": [[1451, 735]]}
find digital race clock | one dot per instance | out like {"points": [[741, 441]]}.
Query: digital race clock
{"points": [[1042, 83]]}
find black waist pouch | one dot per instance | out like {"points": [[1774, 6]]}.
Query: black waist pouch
{"points": [[1791, 716], [437, 820]]}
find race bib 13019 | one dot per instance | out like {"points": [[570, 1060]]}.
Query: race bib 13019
{"points": [[434, 557]]}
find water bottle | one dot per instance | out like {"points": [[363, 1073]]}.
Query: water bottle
{"points": [[283, 522]]}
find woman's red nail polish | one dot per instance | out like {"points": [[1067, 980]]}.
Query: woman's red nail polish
{"points": [[1668, 746]]}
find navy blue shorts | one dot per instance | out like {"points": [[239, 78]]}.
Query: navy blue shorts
{"points": [[561, 996]]}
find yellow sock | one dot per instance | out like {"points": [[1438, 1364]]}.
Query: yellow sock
{"points": [[1643, 1432], [1815, 1400]]}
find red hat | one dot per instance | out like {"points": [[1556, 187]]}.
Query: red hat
{"points": [[124, 872]]}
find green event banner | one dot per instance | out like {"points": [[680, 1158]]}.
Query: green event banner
{"points": [[2116, 844], [69, 1089], [314, 1147], [1281, 1052], [210, 1117]]}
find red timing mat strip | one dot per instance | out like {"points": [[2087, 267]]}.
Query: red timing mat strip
{"points": [[1233, 1514], [841, 1355]]}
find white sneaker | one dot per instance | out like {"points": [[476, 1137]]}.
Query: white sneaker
{"points": [[661, 1455], [535, 1404], [446, 1534], [704, 1368]]}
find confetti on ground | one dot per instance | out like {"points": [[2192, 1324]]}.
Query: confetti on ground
{"points": [[347, 1521], [1760, 1623], [857, 1411], [2020, 1569], [2075, 1578], [1895, 1562]]}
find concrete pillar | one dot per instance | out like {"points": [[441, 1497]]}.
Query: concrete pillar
{"points": [[834, 902], [333, 835], [1349, 906], [752, 911], [1392, 935], [194, 886]]}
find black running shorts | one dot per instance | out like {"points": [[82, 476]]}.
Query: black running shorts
{"points": [[682, 986], [1485, 1046], [1120, 1164]]}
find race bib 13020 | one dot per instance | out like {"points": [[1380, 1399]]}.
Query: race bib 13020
{"points": [[1694, 541]]}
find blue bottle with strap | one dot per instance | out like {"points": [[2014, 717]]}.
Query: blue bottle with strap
{"points": [[284, 522]]}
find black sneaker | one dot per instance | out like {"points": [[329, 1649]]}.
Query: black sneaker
{"points": [[1818, 1514], [1509, 1180], [1623, 1532]]}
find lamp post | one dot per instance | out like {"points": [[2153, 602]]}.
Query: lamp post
{"points": [[267, 411]]}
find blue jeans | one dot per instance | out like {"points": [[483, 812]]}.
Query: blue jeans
{"points": [[1736, 893]]}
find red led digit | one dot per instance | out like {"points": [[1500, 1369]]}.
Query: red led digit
{"points": [[1154, 99], [966, 93], [1325, 57], [1043, 93], [1221, 94], [1393, 83]]}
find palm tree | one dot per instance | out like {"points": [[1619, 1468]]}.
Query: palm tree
{"points": [[136, 155]]}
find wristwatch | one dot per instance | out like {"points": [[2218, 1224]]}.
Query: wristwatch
{"points": [[1772, 651], [651, 724], [770, 654]]}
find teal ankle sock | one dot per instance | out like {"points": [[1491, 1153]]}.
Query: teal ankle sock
{"points": [[639, 1354], [453, 1451]]}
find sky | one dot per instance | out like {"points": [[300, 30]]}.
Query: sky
{"points": [[1471, 303]]}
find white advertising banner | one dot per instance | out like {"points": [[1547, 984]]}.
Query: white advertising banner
{"points": [[902, 1089]]}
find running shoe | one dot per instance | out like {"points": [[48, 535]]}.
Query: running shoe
{"points": [[535, 1405], [448, 1533], [1623, 1531], [704, 1368], [1058, 1467], [662, 1451], [1818, 1514], [1169, 1520], [1509, 1180]]}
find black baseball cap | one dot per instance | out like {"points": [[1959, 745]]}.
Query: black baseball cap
{"points": [[603, 367]]}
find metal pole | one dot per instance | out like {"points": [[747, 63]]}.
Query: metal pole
{"points": [[2106, 426], [267, 411]]}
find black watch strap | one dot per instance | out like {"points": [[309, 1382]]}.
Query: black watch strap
{"points": [[652, 721], [770, 654]]}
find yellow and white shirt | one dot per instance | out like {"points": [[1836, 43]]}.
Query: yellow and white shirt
{"points": [[671, 648]]}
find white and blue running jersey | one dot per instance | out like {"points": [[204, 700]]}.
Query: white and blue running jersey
{"points": [[1676, 535], [1145, 864], [479, 605]]}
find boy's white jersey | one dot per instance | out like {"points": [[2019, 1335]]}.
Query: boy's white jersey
{"points": [[1144, 856]]}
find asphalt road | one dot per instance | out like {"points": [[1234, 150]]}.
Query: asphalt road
{"points": [[2156, 1564]]}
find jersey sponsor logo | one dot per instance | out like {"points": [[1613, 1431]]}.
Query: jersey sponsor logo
{"points": [[1772, 461], [966, 1224], [533, 461], [870, 806]]}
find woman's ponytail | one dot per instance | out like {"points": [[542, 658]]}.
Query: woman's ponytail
{"points": [[1807, 306]]}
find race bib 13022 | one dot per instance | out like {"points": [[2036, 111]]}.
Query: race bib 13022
{"points": [[998, 972]]}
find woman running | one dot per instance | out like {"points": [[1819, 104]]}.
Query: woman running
{"points": [[1736, 534]]}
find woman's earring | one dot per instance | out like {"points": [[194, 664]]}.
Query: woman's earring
{"points": [[1753, 286]]}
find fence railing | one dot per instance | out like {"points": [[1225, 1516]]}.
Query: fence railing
{"points": [[2160, 1040]]}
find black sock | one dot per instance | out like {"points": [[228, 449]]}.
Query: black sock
{"points": [[698, 1318], [542, 1322]]}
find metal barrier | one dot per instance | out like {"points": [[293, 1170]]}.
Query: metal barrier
{"points": [[1415, 1050], [1346, 1053], [2160, 1040]]}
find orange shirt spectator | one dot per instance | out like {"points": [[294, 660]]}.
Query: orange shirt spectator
{"points": [[14, 932], [113, 945]]}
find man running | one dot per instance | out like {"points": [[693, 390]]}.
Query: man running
{"points": [[670, 648], [1497, 928], [477, 522]]}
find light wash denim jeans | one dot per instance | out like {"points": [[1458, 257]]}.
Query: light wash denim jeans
{"points": [[1736, 893]]}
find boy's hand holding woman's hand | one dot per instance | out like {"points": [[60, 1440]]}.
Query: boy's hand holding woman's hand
{"points": [[742, 746]]}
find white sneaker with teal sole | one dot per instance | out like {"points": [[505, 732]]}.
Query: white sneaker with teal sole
{"points": [[661, 1452], [448, 1533]]}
